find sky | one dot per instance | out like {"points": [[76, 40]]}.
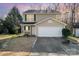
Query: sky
{"points": [[6, 7]]}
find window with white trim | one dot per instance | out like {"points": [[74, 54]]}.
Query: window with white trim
{"points": [[30, 18]]}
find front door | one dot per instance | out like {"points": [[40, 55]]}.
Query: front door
{"points": [[30, 30], [27, 30]]}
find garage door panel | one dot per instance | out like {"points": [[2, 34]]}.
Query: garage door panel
{"points": [[49, 31]]}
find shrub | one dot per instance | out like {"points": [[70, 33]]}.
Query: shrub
{"points": [[13, 30], [66, 32]]}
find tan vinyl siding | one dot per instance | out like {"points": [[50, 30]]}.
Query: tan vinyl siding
{"points": [[33, 30], [40, 17], [53, 23]]}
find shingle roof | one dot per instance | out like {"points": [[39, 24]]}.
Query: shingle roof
{"points": [[41, 12]]}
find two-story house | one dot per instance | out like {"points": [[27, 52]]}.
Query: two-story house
{"points": [[42, 23]]}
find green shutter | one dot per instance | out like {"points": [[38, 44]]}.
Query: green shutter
{"points": [[34, 17], [24, 27], [25, 17]]}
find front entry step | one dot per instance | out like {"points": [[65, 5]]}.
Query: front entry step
{"points": [[29, 35]]}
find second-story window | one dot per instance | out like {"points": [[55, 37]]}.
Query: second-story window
{"points": [[30, 18]]}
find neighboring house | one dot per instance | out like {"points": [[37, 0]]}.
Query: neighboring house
{"points": [[42, 23], [76, 29]]}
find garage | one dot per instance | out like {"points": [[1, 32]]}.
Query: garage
{"points": [[50, 27], [50, 31]]}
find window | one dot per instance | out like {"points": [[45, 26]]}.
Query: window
{"points": [[30, 18]]}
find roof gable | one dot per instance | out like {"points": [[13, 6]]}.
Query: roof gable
{"points": [[53, 19]]}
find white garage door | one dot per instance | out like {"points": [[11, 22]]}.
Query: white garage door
{"points": [[50, 31]]}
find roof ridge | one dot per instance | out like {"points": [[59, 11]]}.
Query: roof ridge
{"points": [[42, 11]]}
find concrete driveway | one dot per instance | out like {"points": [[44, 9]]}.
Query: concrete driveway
{"points": [[48, 45], [52, 46]]}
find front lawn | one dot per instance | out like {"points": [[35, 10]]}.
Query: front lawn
{"points": [[7, 36], [73, 39]]}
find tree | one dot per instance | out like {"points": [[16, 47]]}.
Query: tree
{"points": [[53, 6], [13, 21], [1, 26], [72, 7], [56, 6]]}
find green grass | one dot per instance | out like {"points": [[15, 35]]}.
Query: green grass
{"points": [[6, 36], [73, 39]]}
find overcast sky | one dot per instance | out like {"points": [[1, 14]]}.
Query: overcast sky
{"points": [[6, 7]]}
